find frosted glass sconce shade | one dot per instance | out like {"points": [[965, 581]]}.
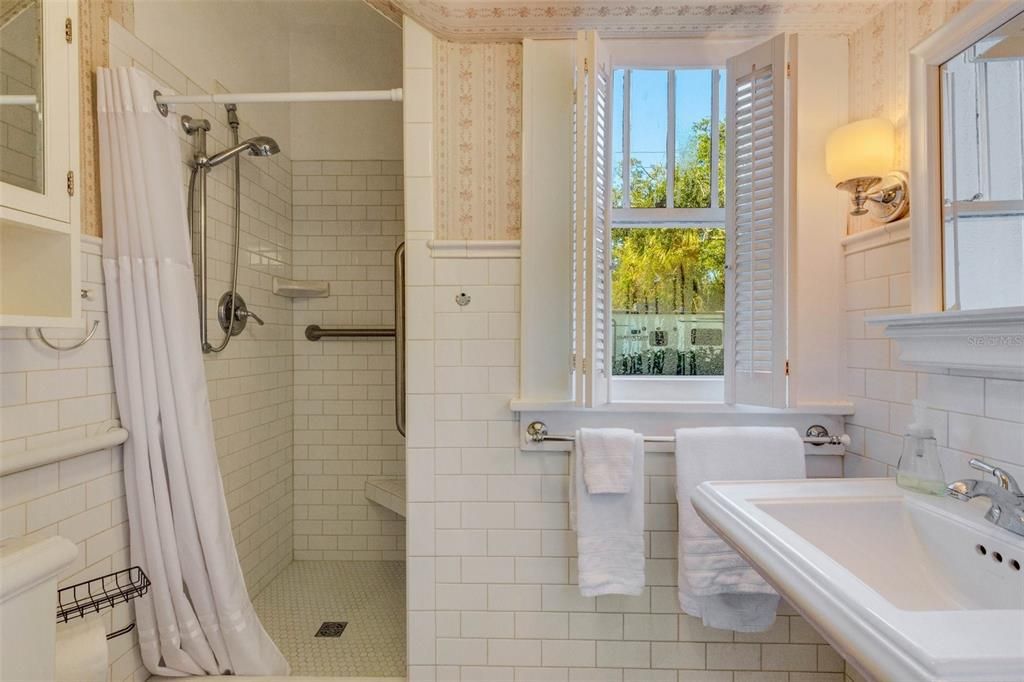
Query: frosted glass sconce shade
{"points": [[862, 149], [859, 158]]}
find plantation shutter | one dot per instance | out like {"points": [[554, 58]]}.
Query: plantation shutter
{"points": [[591, 218], [757, 208]]}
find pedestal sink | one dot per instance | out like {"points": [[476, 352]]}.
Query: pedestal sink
{"points": [[905, 586]]}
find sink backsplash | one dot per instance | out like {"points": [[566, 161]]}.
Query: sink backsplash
{"points": [[973, 416]]}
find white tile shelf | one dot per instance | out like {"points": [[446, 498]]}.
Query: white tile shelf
{"points": [[474, 248], [293, 288], [388, 493]]}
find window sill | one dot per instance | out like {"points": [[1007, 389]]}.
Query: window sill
{"points": [[838, 409], [972, 340], [708, 390]]}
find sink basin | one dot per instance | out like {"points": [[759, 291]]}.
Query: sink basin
{"points": [[905, 586]]}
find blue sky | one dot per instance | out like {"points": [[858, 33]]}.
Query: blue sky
{"points": [[649, 107]]}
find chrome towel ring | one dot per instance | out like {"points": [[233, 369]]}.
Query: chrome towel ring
{"points": [[88, 337], [77, 344]]}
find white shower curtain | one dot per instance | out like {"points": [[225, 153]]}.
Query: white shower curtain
{"points": [[197, 618]]}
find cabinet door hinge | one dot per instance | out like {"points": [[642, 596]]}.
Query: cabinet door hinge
{"points": [[585, 365], [787, 368], [68, 32], [789, 69], [586, 65], [71, 183]]}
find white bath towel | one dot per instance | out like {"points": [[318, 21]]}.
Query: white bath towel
{"points": [[607, 459], [609, 530], [715, 583]]}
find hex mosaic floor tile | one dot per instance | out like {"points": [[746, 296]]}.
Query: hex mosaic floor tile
{"points": [[368, 595]]}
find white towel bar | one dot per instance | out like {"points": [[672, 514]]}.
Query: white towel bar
{"points": [[14, 462], [537, 432]]}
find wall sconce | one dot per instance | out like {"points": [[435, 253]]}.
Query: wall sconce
{"points": [[859, 158]]}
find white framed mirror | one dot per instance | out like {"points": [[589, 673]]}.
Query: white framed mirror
{"points": [[981, 114], [21, 95], [967, 220], [966, 182]]}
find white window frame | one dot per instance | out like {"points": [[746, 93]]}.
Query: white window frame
{"points": [[627, 216], [671, 56]]}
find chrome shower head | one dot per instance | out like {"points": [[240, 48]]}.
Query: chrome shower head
{"points": [[256, 146], [263, 146]]}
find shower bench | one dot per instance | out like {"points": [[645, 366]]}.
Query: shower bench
{"points": [[388, 493]]}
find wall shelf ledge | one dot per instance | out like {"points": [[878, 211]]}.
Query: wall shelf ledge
{"points": [[973, 340], [888, 233], [474, 248]]}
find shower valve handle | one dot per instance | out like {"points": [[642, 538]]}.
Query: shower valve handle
{"points": [[248, 313]]}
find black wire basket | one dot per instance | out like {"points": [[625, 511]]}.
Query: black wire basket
{"points": [[106, 592]]}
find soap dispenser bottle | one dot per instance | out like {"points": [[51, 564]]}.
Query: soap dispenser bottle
{"points": [[919, 468]]}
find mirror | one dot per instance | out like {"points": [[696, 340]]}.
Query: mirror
{"points": [[21, 94], [982, 112]]}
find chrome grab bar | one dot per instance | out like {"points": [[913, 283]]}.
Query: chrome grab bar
{"points": [[400, 338], [316, 332]]}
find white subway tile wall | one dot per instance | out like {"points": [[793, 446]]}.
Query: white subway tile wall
{"points": [[973, 416], [348, 222], [491, 558], [49, 397], [250, 383], [501, 560]]}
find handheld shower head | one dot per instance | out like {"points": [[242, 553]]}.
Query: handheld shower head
{"points": [[263, 146], [256, 146]]}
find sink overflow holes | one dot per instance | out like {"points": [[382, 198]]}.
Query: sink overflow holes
{"points": [[1014, 564]]}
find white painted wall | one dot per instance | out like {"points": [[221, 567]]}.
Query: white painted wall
{"points": [[238, 43], [269, 45], [819, 84], [344, 46]]}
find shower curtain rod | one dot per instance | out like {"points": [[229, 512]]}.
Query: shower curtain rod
{"points": [[393, 95]]}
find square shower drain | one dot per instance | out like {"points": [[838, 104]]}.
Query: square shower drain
{"points": [[331, 628]]}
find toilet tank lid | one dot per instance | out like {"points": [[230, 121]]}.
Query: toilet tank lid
{"points": [[24, 562]]}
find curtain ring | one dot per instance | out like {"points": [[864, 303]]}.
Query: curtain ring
{"points": [[160, 106], [79, 344]]}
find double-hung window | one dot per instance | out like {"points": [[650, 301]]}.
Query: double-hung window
{"points": [[679, 223], [668, 233]]}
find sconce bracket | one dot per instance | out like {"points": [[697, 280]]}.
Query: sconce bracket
{"points": [[889, 199], [885, 199]]}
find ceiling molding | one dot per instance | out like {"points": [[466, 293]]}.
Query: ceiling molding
{"points": [[493, 20]]}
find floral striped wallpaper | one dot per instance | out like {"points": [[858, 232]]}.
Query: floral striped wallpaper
{"points": [[478, 140], [93, 52], [879, 74]]}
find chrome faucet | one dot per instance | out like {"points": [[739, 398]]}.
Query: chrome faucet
{"points": [[1007, 510]]}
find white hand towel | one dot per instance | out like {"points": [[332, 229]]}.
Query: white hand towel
{"points": [[609, 530], [607, 459], [715, 583], [81, 651]]}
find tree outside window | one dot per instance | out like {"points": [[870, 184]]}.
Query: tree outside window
{"points": [[668, 282]]}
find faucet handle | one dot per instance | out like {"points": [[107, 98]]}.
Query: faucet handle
{"points": [[1006, 481], [248, 313]]}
